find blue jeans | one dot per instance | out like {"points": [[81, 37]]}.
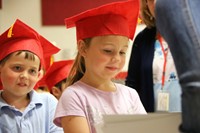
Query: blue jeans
{"points": [[178, 21]]}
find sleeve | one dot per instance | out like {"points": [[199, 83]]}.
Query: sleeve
{"points": [[69, 104], [52, 103], [138, 106]]}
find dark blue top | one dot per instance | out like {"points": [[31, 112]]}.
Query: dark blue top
{"points": [[140, 72]]}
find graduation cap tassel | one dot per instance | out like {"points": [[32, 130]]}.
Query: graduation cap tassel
{"points": [[9, 35]]}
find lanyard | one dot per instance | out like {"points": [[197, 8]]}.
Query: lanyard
{"points": [[165, 52]]}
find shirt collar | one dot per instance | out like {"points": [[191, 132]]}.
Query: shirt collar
{"points": [[35, 100]]}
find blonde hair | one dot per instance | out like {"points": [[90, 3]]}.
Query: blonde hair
{"points": [[145, 14], [78, 68]]}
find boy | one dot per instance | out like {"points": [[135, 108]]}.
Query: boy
{"points": [[21, 108], [56, 77]]}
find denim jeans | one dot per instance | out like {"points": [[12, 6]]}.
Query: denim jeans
{"points": [[178, 21]]}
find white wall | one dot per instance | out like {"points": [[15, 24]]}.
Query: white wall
{"points": [[29, 11]]}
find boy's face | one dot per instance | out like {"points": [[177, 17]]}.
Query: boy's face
{"points": [[19, 75]]}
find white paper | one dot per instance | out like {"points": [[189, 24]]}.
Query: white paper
{"points": [[150, 123]]}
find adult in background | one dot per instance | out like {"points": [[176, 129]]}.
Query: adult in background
{"points": [[151, 68]]}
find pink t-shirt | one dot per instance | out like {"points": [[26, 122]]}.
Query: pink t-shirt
{"points": [[81, 99]]}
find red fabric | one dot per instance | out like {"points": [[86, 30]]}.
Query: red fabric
{"points": [[0, 4], [121, 75], [57, 71], [118, 18], [55, 11], [102, 25], [22, 37]]}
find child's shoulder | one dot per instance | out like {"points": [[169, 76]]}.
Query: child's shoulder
{"points": [[42, 97], [120, 85], [124, 88]]}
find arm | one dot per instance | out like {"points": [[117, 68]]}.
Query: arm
{"points": [[70, 113], [53, 128], [182, 33], [74, 124]]}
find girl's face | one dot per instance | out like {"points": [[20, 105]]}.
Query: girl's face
{"points": [[105, 57], [19, 75]]}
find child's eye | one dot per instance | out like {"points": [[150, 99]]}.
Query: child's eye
{"points": [[107, 51], [33, 72], [122, 53], [17, 68]]}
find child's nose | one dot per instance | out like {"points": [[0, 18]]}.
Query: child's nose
{"points": [[116, 57], [23, 75]]}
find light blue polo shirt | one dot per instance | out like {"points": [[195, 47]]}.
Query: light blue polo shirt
{"points": [[36, 118]]}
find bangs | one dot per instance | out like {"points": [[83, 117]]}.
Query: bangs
{"points": [[28, 55]]}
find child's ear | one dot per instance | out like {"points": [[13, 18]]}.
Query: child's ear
{"points": [[82, 48], [40, 74], [56, 92]]}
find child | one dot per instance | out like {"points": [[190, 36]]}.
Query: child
{"points": [[56, 77], [21, 108], [151, 69], [103, 35]]}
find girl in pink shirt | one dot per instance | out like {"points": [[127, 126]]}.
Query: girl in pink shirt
{"points": [[103, 35]]}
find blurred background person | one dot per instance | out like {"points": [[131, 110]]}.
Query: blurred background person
{"points": [[56, 77], [151, 69]]}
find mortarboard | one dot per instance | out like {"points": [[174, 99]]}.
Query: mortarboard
{"points": [[22, 37], [118, 18], [57, 71]]}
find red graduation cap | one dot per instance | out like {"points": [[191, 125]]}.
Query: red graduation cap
{"points": [[48, 62], [118, 18], [57, 72], [22, 37]]}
